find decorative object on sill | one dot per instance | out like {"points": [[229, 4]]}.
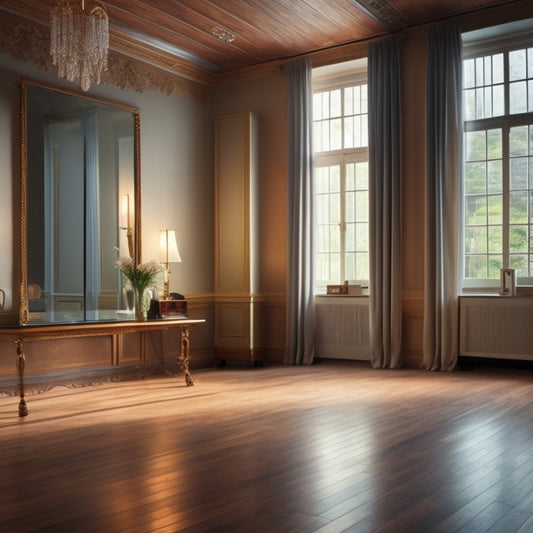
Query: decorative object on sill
{"points": [[169, 253], [79, 41], [507, 282], [141, 277], [345, 289]]}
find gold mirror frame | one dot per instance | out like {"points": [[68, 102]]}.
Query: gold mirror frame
{"points": [[23, 259]]}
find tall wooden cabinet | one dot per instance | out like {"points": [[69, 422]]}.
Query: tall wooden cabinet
{"points": [[236, 239]]}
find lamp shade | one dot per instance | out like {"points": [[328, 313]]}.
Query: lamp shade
{"points": [[168, 248]]}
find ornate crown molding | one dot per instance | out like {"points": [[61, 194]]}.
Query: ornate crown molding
{"points": [[29, 42], [384, 12]]}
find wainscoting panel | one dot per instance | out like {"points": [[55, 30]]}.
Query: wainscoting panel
{"points": [[342, 327], [496, 326]]}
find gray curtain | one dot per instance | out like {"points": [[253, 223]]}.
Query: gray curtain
{"points": [[300, 329], [384, 202], [443, 182]]}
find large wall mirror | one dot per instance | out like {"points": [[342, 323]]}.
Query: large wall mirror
{"points": [[80, 204]]}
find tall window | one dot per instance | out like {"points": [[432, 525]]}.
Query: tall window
{"points": [[498, 168], [340, 136]]}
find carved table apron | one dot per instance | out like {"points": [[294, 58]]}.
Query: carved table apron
{"points": [[32, 332]]}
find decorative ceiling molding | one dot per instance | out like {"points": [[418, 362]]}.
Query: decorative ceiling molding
{"points": [[29, 42], [383, 12]]}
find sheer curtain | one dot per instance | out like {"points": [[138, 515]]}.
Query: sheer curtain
{"points": [[384, 202], [443, 173], [300, 328]]}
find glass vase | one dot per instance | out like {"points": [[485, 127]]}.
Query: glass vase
{"points": [[140, 305]]}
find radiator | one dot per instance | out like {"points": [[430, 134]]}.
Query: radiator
{"points": [[342, 327], [496, 326]]}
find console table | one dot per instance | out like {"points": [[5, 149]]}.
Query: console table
{"points": [[36, 332]]}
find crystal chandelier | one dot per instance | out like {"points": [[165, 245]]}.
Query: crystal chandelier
{"points": [[79, 40]]}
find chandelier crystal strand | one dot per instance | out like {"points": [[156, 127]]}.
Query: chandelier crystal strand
{"points": [[79, 41]]}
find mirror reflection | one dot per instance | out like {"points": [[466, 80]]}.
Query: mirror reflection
{"points": [[81, 205]]}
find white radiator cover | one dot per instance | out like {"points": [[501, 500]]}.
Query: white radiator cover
{"points": [[496, 326], [342, 327]]}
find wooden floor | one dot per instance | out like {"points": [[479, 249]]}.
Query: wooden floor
{"points": [[327, 448]]}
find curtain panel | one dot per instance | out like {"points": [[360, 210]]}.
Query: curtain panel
{"points": [[443, 199], [300, 321], [384, 202]]}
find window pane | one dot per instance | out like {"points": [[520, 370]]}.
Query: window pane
{"points": [[361, 266], [476, 267], [335, 134], [334, 209], [361, 206], [334, 239], [475, 177], [348, 101], [476, 239], [519, 262], [494, 177], [518, 177], [321, 180], [469, 74], [335, 268], [497, 68], [495, 209], [518, 141], [498, 99], [475, 149], [494, 144], [349, 140], [475, 210], [364, 99], [349, 268], [495, 239], [361, 175], [322, 211], [335, 103], [518, 239], [322, 239], [364, 131], [495, 264], [350, 207], [518, 97], [324, 126], [361, 237], [517, 65], [518, 207], [469, 103], [317, 106]]}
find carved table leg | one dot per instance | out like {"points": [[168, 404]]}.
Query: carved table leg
{"points": [[184, 355], [21, 361]]}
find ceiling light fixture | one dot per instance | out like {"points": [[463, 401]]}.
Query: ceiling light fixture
{"points": [[222, 34], [79, 41]]}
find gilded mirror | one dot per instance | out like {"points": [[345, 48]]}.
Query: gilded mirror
{"points": [[80, 204]]}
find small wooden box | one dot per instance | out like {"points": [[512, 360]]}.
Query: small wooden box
{"points": [[172, 308]]}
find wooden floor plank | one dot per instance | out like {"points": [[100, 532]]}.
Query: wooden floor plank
{"points": [[326, 448]]}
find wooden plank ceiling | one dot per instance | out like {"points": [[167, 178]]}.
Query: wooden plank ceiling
{"points": [[220, 36]]}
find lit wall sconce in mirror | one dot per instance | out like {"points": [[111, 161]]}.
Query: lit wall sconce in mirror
{"points": [[126, 233], [169, 253]]}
